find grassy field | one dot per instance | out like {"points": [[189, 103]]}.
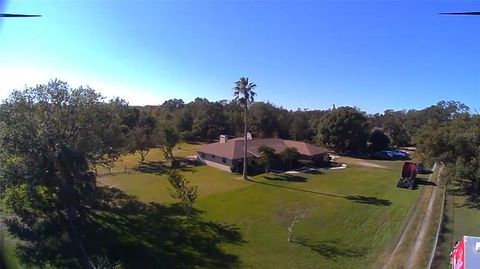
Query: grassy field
{"points": [[418, 238], [352, 217], [353, 214], [153, 187], [462, 216], [130, 161]]}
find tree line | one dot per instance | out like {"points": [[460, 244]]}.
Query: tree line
{"points": [[344, 129], [454, 141]]}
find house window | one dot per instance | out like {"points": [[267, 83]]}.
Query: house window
{"points": [[202, 154], [224, 160], [213, 156]]}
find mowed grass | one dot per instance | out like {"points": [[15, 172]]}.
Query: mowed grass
{"points": [[155, 187], [353, 214], [130, 161], [461, 217]]}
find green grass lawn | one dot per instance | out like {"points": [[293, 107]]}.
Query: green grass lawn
{"points": [[155, 188], [130, 161], [353, 214], [462, 217]]}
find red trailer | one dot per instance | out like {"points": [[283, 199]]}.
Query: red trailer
{"points": [[466, 253], [409, 173]]}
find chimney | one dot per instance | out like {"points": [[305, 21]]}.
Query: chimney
{"points": [[223, 139], [249, 136]]}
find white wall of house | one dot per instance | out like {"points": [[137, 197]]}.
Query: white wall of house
{"points": [[214, 164]]}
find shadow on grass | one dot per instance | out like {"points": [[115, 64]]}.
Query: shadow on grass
{"points": [[119, 229], [159, 168], [425, 172], [331, 249], [287, 177], [153, 167], [3, 257], [313, 172], [466, 188], [423, 181], [368, 200], [199, 142], [355, 198]]}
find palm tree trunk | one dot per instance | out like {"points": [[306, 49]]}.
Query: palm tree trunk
{"points": [[72, 232], [70, 218], [3, 255], [245, 144]]}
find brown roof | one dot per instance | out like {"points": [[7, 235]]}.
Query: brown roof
{"points": [[233, 149]]}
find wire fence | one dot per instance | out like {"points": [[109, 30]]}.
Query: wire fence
{"points": [[118, 169], [439, 228], [149, 166]]}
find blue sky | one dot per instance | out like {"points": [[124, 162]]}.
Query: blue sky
{"points": [[371, 54]]}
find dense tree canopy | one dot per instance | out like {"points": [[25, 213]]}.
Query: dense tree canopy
{"points": [[50, 136], [345, 129], [379, 140], [202, 120], [268, 157], [455, 142], [168, 138], [289, 157], [143, 135]]}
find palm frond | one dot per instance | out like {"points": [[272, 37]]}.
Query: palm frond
{"points": [[245, 89]]}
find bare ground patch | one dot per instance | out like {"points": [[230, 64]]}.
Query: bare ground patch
{"points": [[355, 161]]}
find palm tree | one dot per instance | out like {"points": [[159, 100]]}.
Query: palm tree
{"points": [[243, 92]]}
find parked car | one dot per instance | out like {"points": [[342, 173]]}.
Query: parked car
{"points": [[399, 154], [422, 169], [383, 155], [391, 155]]}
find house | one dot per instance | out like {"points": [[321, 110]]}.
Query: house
{"points": [[228, 153]]}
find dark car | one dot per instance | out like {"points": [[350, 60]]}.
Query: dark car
{"points": [[422, 169], [399, 154], [383, 155]]}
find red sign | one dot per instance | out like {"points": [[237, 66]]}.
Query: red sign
{"points": [[457, 256]]}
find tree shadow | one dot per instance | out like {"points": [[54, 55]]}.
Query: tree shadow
{"points": [[189, 162], [331, 249], [122, 230], [458, 187], [152, 167], [295, 189], [356, 198], [287, 177], [370, 200], [466, 188], [423, 181], [311, 171], [191, 142], [160, 167]]}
